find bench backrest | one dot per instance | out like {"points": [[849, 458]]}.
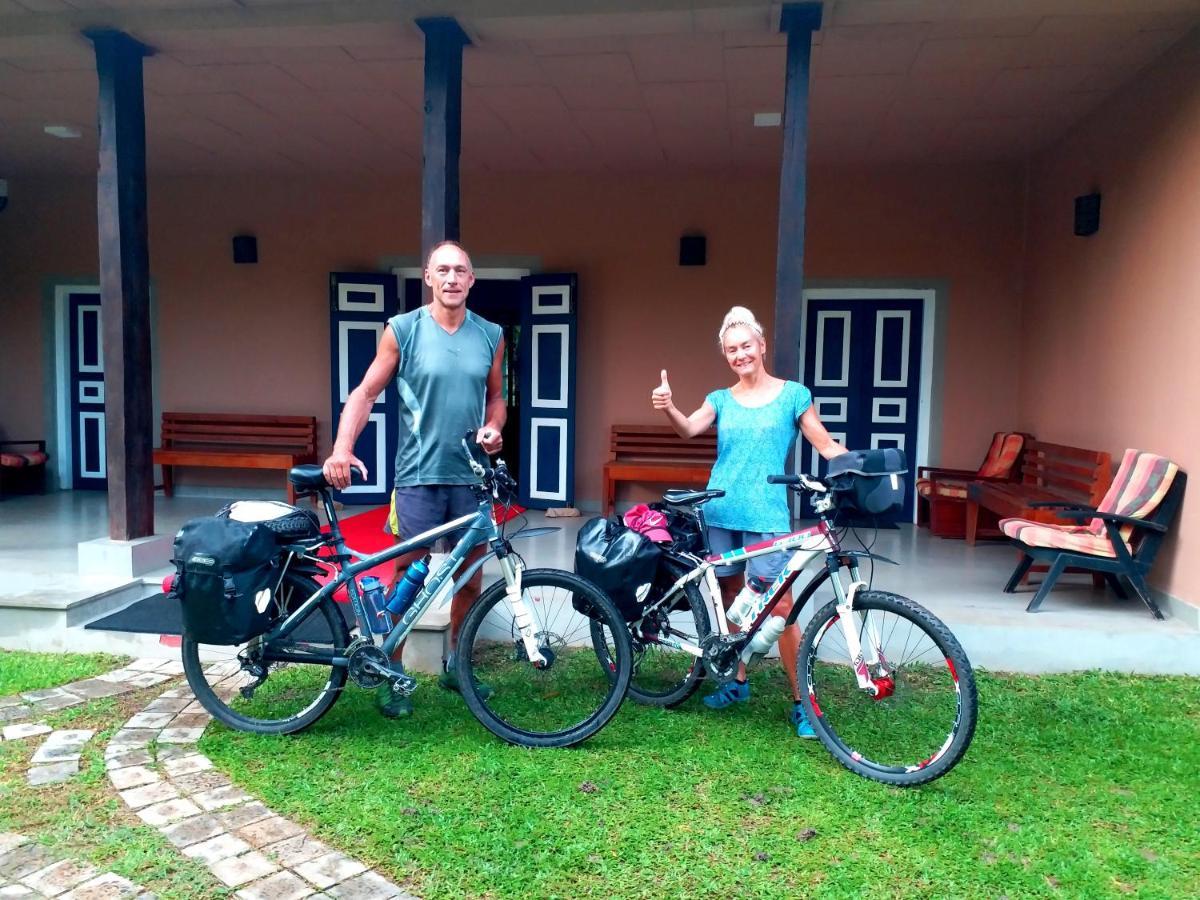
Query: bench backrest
{"points": [[660, 442], [297, 433], [1073, 473]]}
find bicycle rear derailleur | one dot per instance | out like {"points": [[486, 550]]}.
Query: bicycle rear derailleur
{"points": [[369, 667], [721, 654]]}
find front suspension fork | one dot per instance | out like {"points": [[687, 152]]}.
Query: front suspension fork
{"points": [[520, 610], [848, 618]]}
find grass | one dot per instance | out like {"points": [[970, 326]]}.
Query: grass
{"points": [[1076, 786], [21, 671], [1080, 785]]}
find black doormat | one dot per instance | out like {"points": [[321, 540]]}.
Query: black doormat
{"points": [[160, 615]]}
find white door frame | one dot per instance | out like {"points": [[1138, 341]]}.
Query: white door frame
{"points": [[928, 296], [493, 274]]}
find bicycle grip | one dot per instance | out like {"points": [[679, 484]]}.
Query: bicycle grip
{"points": [[783, 479]]}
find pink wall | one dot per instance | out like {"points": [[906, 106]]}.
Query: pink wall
{"points": [[255, 338], [1116, 314]]}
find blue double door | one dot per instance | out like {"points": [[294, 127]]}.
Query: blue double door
{"points": [[862, 360], [538, 316]]}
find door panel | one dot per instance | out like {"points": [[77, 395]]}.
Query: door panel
{"points": [[547, 367], [862, 362], [89, 467], [359, 306]]}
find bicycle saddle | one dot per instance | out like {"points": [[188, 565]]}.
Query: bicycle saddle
{"points": [[690, 498], [307, 476]]}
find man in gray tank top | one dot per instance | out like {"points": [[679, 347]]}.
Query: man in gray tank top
{"points": [[447, 364]]}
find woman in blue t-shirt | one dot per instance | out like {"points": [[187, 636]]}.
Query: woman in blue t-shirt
{"points": [[756, 421]]}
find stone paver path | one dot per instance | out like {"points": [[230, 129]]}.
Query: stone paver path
{"points": [[57, 759], [242, 842], [176, 790], [140, 673], [27, 869]]}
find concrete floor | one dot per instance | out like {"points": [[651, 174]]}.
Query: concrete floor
{"points": [[1078, 628]]}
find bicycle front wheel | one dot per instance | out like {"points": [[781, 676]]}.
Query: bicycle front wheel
{"points": [[572, 694], [290, 695], [917, 720]]}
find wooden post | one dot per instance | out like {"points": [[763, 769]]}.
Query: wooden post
{"points": [[442, 135], [798, 21], [125, 284]]}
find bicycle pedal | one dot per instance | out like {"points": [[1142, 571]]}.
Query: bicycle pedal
{"points": [[401, 683]]}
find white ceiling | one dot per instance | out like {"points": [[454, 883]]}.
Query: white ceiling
{"points": [[656, 85]]}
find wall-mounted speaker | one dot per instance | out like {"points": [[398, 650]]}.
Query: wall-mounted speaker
{"points": [[693, 250], [245, 248], [1087, 215]]}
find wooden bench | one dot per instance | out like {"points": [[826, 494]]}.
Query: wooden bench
{"points": [[235, 441], [22, 467], [655, 453], [1049, 473]]}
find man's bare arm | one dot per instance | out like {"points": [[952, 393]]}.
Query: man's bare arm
{"points": [[358, 407]]}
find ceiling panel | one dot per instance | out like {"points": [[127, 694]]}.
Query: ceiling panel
{"points": [[306, 86]]}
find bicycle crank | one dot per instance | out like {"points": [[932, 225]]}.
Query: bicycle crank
{"points": [[369, 667]]}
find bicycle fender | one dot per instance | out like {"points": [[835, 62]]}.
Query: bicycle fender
{"points": [[867, 554]]}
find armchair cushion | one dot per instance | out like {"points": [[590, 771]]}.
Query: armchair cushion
{"points": [[12, 460], [928, 487], [1002, 455], [1077, 538]]}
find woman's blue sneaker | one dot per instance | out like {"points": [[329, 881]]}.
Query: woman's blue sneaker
{"points": [[804, 728], [729, 693]]}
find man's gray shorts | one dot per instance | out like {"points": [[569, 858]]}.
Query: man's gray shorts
{"points": [[423, 507], [766, 567]]}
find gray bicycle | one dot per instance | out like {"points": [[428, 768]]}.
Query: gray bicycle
{"points": [[525, 663]]}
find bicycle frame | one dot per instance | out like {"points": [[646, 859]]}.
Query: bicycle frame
{"points": [[481, 527], [807, 544]]}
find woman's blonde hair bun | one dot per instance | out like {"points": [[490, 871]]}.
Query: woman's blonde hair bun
{"points": [[739, 315]]}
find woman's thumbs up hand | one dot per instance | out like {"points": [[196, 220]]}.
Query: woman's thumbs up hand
{"points": [[661, 395]]}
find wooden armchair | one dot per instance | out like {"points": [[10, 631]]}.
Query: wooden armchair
{"points": [[942, 493], [1120, 540]]}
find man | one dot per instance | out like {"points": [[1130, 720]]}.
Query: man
{"points": [[447, 365]]}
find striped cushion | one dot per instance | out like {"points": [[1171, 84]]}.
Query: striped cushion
{"points": [[955, 489], [12, 460], [1063, 537], [1002, 456], [1140, 485], [36, 458]]}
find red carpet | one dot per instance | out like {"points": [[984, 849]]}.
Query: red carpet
{"points": [[365, 533]]}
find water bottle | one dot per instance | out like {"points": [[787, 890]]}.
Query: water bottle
{"points": [[407, 587], [766, 636], [748, 603], [371, 590]]}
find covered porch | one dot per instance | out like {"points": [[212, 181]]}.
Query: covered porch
{"points": [[945, 145]]}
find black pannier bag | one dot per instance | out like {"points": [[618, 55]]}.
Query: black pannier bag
{"points": [[291, 524], [868, 481], [619, 561], [226, 575]]}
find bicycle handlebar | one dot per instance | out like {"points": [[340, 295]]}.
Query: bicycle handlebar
{"points": [[804, 481]]}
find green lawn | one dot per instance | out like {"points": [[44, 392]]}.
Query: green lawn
{"points": [[1080, 785], [21, 671]]}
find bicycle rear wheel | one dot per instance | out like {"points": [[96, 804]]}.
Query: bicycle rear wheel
{"points": [[291, 696], [664, 675], [574, 694], [920, 722]]}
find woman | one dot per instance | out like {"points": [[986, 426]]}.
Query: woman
{"points": [[756, 423]]}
